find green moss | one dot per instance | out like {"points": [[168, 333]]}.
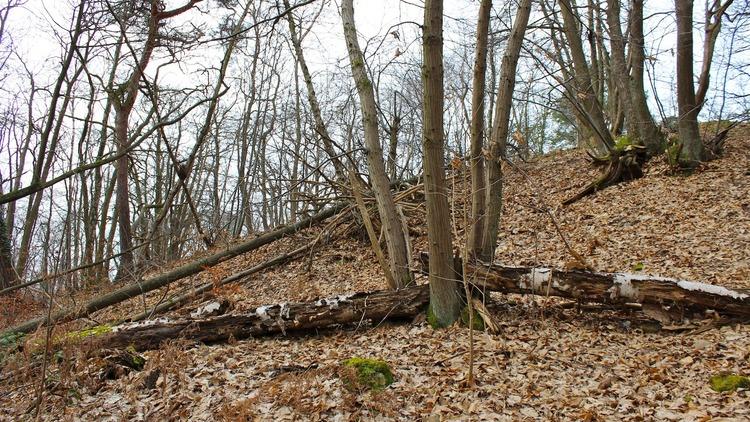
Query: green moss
{"points": [[370, 373], [623, 143], [89, 332], [8, 344], [729, 382], [477, 323], [137, 361], [638, 266], [432, 319], [673, 151]]}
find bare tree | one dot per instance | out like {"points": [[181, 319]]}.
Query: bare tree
{"points": [[690, 101], [500, 127], [445, 302], [124, 100], [389, 218], [478, 188]]}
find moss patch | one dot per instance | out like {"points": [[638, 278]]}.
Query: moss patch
{"points": [[76, 336], [89, 332], [432, 319], [477, 323], [10, 340], [729, 382], [371, 374], [623, 143], [8, 344]]}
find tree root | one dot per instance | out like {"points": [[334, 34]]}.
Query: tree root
{"points": [[621, 166]]}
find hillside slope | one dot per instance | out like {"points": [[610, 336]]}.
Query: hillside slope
{"points": [[548, 361]]}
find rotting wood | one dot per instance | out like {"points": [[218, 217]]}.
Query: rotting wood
{"points": [[616, 289], [161, 280], [358, 308], [610, 288]]}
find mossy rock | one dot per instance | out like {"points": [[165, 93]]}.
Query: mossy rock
{"points": [[477, 323], [729, 382], [372, 374]]}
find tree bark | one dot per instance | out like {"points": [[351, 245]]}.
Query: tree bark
{"points": [[591, 110], [610, 288], [478, 182], [312, 97], [394, 236], [616, 289], [691, 149], [650, 134], [8, 275], [445, 301]]}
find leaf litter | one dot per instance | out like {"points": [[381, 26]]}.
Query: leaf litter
{"points": [[549, 361]]}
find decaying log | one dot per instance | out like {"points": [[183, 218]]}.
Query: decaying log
{"points": [[280, 318], [586, 286], [610, 288], [161, 280]]}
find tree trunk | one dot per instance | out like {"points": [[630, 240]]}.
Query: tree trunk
{"points": [[8, 276], [478, 187], [494, 199], [691, 149], [393, 130], [650, 134], [312, 97], [124, 102], [614, 288], [445, 302], [619, 70], [610, 288], [591, 111], [394, 235], [374, 307]]}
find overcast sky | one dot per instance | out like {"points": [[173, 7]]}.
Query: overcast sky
{"points": [[31, 31]]}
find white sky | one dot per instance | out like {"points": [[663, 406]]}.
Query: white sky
{"points": [[31, 30]]}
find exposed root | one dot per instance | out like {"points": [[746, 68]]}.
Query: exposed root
{"points": [[621, 166]]}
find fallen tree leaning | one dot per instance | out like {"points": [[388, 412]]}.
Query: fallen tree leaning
{"points": [[194, 293], [161, 280]]}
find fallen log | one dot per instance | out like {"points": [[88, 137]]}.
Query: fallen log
{"points": [[609, 288], [161, 280], [617, 289], [281, 318]]}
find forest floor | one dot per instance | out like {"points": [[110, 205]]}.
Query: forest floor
{"points": [[549, 361]]}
